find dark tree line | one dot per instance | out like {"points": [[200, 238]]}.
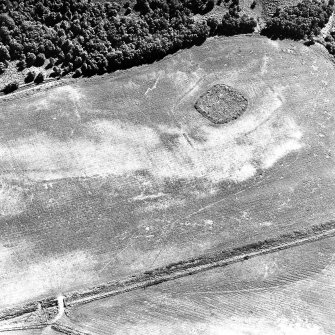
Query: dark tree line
{"points": [[329, 42], [302, 21], [87, 38]]}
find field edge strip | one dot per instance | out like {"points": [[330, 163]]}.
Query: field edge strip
{"points": [[203, 263], [178, 270]]}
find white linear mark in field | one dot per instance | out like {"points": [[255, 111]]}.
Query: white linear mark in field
{"points": [[149, 89], [264, 68]]}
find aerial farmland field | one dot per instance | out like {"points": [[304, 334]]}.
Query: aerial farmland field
{"points": [[288, 292], [115, 175]]}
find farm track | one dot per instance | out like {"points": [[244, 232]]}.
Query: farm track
{"points": [[168, 273]]}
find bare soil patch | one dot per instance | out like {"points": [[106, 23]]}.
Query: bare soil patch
{"points": [[221, 104]]}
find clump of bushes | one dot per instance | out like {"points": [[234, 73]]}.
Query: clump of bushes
{"points": [[2, 67], [4, 53], [234, 25], [11, 87], [56, 72], [40, 59], [39, 78], [30, 58], [30, 77], [302, 21], [21, 65], [98, 37], [77, 73], [329, 42]]}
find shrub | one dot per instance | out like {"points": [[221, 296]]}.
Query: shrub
{"points": [[4, 53], [11, 87], [70, 67], [30, 59], [78, 62], [52, 61], [2, 68], [30, 77], [56, 72], [39, 78], [213, 24], [77, 73], [84, 31], [40, 59], [253, 4], [232, 25], [142, 6], [210, 5], [21, 65], [298, 22]]}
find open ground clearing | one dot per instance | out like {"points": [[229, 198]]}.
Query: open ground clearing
{"points": [[119, 175]]}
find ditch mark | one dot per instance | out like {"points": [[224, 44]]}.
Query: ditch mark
{"points": [[68, 329]]}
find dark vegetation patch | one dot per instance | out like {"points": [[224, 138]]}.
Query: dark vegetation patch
{"points": [[221, 104], [269, 7], [170, 141], [330, 42], [11, 87], [302, 21], [82, 37]]}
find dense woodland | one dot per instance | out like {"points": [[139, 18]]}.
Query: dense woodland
{"points": [[90, 38], [84, 37], [302, 21]]}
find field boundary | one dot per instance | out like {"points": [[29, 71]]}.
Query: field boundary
{"points": [[203, 263], [172, 271]]}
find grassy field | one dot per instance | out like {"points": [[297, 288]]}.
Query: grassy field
{"points": [[119, 174]]}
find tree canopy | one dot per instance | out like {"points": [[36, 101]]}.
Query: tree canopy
{"points": [[95, 38], [298, 22]]}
